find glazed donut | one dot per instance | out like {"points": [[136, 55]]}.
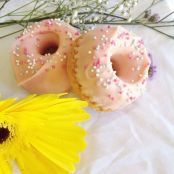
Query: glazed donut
{"points": [[109, 67], [39, 56]]}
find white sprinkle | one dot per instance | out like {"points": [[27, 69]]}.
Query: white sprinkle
{"points": [[104, 84], [89, 52], [108, 81], [101, 79], [98, 70], [138, 68]]}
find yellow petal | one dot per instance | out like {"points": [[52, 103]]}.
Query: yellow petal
{"points": [[32, 162], [55, 155], [5, 167], [46, 137], [6, 103]]}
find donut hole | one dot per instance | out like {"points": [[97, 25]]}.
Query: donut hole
{"points": [[48, 43], [128, 70], [49, 48]]}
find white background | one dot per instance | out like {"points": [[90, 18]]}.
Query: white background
{"points": [[136, 140]]}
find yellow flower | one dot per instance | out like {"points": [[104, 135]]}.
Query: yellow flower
{"points": [[40, 133]]}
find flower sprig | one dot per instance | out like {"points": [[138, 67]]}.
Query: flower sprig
{"points": [[84, 13]]}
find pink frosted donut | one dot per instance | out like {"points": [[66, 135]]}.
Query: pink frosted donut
{"points": [[109, 67], [40, 55]]}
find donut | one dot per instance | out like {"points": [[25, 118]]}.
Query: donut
{"points": [[108, 67], [39, 56]]}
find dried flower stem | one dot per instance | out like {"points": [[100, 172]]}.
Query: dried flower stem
{"points": [[81, 13]]}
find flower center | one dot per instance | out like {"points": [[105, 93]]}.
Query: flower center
{"points": [[4, 134]]}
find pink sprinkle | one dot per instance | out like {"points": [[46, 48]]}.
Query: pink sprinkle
{"points": [[101, 30], [110, 97], [124, 85], [26, 51], [120, 92], [115, 80], [141, 42], [142, 53], [130, 56], [94, 47], [97, 63], [131, 98], [21, 62], [123, 35], [105, 55], [143, 81], [48, 23], [113, 42], [85, 66], [77, 33]]}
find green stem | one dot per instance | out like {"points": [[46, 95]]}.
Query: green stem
{"points": [[3, 5], [17, 9], [11, 34], [166, 16]]}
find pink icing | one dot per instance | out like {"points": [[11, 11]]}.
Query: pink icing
{"points": [[117, 70], [40, 55]]}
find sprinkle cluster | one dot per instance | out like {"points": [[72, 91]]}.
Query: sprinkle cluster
{"points": [[103, 70], [27, 60]]}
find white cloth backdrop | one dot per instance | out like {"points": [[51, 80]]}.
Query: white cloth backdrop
{"points": [[136, 140]]}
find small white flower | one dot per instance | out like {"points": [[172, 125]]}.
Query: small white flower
{"points": [[129, 19], [75, 14], [99, 1], [121, 7]]}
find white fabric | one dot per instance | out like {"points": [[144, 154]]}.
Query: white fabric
{"points": [[136, 140]]}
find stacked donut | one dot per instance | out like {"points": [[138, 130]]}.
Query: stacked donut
{"points": [[106, 66]]}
